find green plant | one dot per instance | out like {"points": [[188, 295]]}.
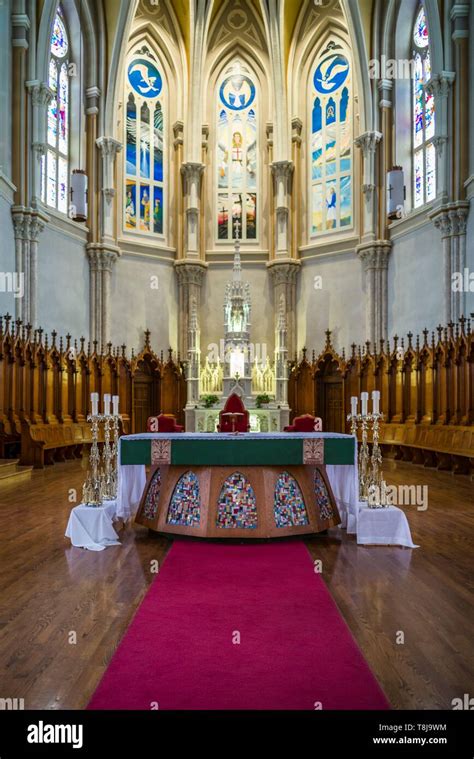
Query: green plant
{"points": [[209, 400], [261, 399]]}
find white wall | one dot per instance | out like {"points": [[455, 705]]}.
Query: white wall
{"points": [[63, 283], [416, 282], [135, 306], [339, 305], [5, 88]]}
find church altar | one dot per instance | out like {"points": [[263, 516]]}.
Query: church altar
{"points": [[242, 485]]}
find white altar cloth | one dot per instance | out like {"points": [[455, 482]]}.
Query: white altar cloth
{"points": [[92, 527], [388, 527]]}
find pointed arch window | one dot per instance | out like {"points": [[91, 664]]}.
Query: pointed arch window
{"points": [[423, 116], [237, 155], [55, 161], [144, 155], [331, 168]]}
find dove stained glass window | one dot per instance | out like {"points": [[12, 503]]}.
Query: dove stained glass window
{"points": [[55, 161], [237, 156], [423, 117], [331, 158], [144, 157]]}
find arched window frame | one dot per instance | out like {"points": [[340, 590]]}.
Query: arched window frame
{"points": [[249, 230], [423, 147], [55, 167], [157, 187], [342, 171]]}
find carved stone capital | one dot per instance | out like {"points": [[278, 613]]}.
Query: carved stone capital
{"points": [[190, 273], [368, 142], [440, 84], [284, 272]]}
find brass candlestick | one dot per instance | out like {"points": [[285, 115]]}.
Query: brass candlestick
{"points": [[93, 488], [377, 486]]}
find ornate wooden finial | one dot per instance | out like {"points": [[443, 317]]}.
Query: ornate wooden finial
{"points": [[109, 348], [88, 348], [417, 343], [468, 330], [328, 338], [61, 344], [395, 343], [439, 330], [433, 340], [462, 322], [451, 327], [54, 335], [40, 335], [353, 346], [161, 356], [343, 354], [382, 345], [82, 341], [95, 344], [409, 335], [133, 354], [18, 324], [170, 355], [8, 319], [425, 335], [124, 348], [367, 347], [456, 331], [147, 339], [68, 341], [46, 341], [304, 354], [446, 334], [313, 357]]}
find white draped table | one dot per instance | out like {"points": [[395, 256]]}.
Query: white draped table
{"points": [[92, 527], [387, 526]]}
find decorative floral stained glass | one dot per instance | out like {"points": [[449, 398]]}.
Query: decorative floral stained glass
{"points": [[59, 42], [144, 154], [152, 496], [237, 506], [331, 142], [55, 164], [288, 505], [424, 156], [185, 506], [323, 501], [420, 33], [237, 156]]}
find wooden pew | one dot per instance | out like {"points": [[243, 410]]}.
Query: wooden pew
{"points": [[446, 447]]}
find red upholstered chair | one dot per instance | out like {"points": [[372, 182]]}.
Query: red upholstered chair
{"points": [[305, 423], [163, 423], [234, 405]]}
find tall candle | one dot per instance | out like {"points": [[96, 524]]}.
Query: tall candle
{"points": [[364, 398], [107, 404], [115, 405], [354, 402], [375, 401], [95, 403]]}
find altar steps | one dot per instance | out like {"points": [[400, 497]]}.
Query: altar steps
{"points": [[11, 472]]}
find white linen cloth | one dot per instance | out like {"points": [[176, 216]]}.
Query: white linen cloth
{"points": [[388, 526], [92, 527]]}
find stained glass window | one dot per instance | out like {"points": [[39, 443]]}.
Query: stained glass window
{"points": [[237, 155], [144, 146], [331, 195], [55, 162], [424, 155]]}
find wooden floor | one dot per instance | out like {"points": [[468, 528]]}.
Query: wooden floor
{"points": [[51, 591]]}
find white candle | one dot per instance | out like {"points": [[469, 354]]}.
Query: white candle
{"points": [[364, 398], [354, 402], [107, 404], [95, 403], [375, 401], [115, 405]]}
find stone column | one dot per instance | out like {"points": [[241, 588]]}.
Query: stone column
{"points": [[451, 220], [374, 257], [386, 157], [442, 222], [17, 218], [37, 225], [439, 86], [271, 202], [109, 147], [284, 275], [460, 36], [296, 128], [178, 129], [368, 142], [282, 171], [20, 27], [40, 98], [190, 275], [192, 172], [102, 257]]}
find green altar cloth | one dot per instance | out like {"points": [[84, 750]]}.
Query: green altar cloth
{"points": [[246, 449]]}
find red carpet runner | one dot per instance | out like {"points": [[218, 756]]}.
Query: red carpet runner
{"points": [[295, 650]]}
